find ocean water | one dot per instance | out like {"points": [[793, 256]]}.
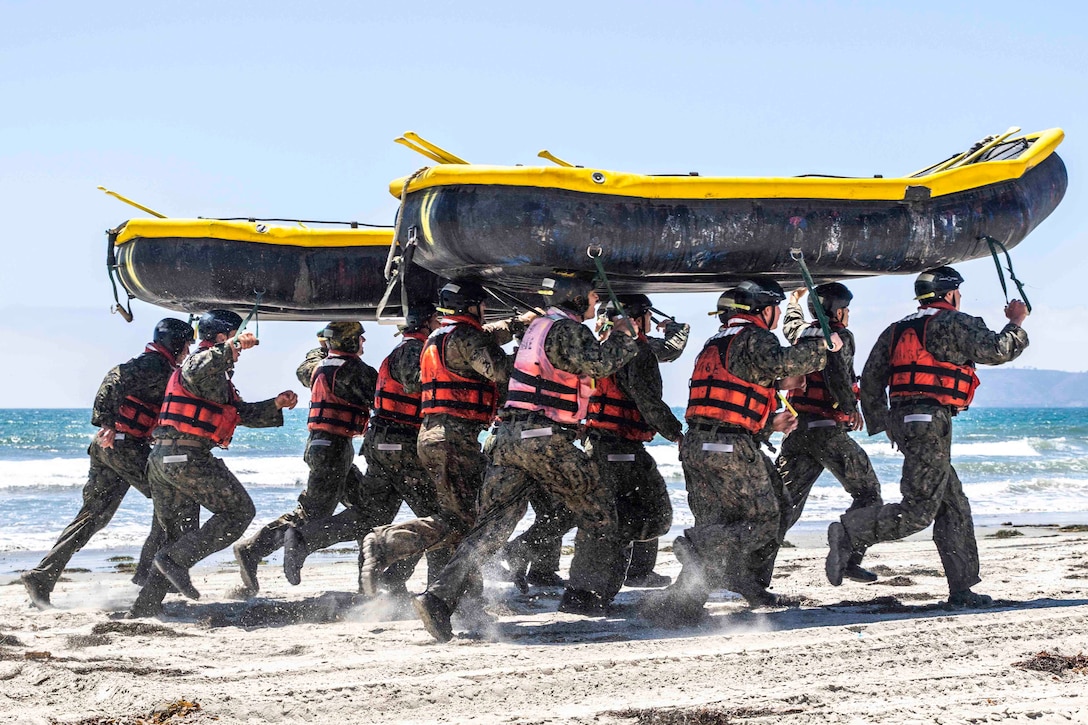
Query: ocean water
{"points": [[1021, 464]]}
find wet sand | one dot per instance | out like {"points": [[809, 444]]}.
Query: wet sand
{"points": [[889, 652]]}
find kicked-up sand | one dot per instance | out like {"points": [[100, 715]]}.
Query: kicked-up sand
{"points": [[889, 652]]}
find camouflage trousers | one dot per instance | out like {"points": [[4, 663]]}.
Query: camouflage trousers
{"points": [[932, 493], [393, 475], [816, 447], [737, 499], [112, 472], [333, 476], [643, 508], [449, 452], [542, 543], [532, 452], [183, 479]]}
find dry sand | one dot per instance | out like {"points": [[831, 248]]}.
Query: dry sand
{"points": [[883, 653]]}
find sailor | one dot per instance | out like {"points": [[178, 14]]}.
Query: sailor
{"points": [[539, 548], [640, 572], [626, 411], [534, 447], [393, 471], [463, 376], [920, 374], [200, 411], [733, 489], [827, 410], [341, 390], [125, 410]]}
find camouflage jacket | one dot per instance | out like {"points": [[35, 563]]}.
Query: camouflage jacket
{"points": [[144, 377], [478, 353], [839, 374], [952, 337], [354, 382], [671, 346], [404, 364], [206, 374], [572, 347], [640, 380]]}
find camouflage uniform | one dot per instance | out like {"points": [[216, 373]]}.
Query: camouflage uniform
{"points": [[922, 430], [542, 543], [185, 476], [393, 473], [113, 470], [628, 470], [552, 462], [817, 446], [333, 475], [449, 451], [734, 491]]}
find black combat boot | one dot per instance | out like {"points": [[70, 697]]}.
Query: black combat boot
{"points": [[839, 553], [579, 601], [435, 615], [177, 575]]}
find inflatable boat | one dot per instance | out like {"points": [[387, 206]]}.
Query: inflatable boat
{"points": [[289, 272], [691, 233]]}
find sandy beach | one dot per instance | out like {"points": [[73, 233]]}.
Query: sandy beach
{"points": [[883, 653]]}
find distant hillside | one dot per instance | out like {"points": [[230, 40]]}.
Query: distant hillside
{"points": [[1011, 388]]}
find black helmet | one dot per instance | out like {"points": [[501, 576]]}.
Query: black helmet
{"points": [[935, 282], [417, 315], [634, 306], [833, 296], [458, 296], [342, 335], [569, 292], [213, 322], [173, 334], [757, 293]]}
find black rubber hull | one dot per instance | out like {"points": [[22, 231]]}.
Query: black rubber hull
{"points": [[298, 283], [515, 235]]}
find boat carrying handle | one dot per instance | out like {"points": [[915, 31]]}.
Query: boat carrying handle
{"points": [[797, 255]]}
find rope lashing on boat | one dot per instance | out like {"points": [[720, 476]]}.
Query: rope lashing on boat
{"points": [[396, 268], [594, 251], [798, 256], [253, 313], [111, 269], [512, 300], [353, 225], [994, 247]]}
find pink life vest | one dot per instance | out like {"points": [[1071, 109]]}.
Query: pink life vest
{"points": [[537, 385]]}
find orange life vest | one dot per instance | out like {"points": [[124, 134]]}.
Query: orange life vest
{"points": [[717, 394], [537, 385], [391, 401], [915, 373], [611, 410], [136, 418], [186, 413], [816, 398], [329, 412], [444, 391]]}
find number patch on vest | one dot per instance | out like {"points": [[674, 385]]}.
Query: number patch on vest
{"points": [[320, 442], [621, 457], [821, 423], [536, 433], [175, 459], [389, 446]]}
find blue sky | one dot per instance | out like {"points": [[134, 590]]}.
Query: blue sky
{"points": [[285, 109]]}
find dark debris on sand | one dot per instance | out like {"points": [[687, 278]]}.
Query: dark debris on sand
{"points": [[1055, 663], [136, 628], [174, 712], [696, 715]]}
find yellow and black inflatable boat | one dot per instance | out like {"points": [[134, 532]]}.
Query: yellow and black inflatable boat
{"points": [[692, 233], [297, 272]]}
